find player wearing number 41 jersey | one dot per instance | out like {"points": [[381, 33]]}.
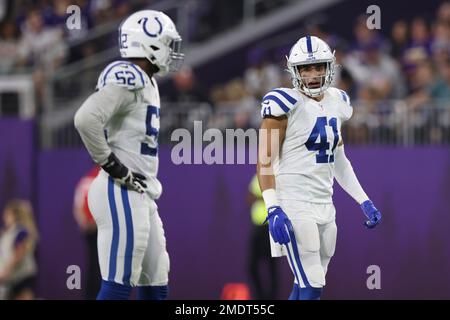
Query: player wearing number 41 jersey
{"points": [[297, 180], [119, 126]]}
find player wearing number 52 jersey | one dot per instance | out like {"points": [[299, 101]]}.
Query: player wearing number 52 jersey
{"points": [[119, 126], [297, 179]]}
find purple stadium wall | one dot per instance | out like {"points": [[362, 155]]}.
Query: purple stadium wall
{"points": [[207, 221], [207, 224], [16, 159]]}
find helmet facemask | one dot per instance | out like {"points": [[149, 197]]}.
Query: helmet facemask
{"points": [[175, 55], [167, 58], [301, 83]]}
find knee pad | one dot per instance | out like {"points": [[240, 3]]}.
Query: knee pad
{"points": [[153, 292], [113, 291]]}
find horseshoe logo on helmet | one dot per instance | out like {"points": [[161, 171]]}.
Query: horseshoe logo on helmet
{"points": [[144, 26]]}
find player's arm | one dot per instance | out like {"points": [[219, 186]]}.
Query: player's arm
{"points": [[90, 121], [346, 177], [272, 135]]}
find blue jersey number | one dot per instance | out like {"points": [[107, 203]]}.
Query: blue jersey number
{"points": [[323, 145], [151, 132], [127, 77]]}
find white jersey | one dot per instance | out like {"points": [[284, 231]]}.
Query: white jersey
{"points": [[127, 105], [305, 168]]}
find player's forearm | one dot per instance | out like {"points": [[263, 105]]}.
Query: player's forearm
{"points": [[272, 134], [266, 181], [266, 177], [346, 177], [264, 167], [264, 171], [90, 128], [267, 185], [91, 118]]}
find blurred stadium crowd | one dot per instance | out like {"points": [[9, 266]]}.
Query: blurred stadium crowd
{"points": [[399, 79], [402, 77]]}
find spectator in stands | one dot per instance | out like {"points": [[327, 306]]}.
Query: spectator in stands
{"points": [[440, 89], [399, 39], [43, 49], [440, 44], [419, 47], [41, 45], [261, 76], [364, 36], [187, 89], [243, 103], [17, 246], [56, 16], [9, 47], [374, 68]]}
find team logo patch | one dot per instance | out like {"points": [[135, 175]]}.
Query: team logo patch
{"points": [[144, 21]]}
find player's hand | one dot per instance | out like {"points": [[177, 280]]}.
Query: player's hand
{"points": [[279, 224], [371, 213], [120, 173], [133, 181]]}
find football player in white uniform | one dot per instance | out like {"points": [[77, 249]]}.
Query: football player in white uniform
{"points": [[297, 169], [119, 126]]}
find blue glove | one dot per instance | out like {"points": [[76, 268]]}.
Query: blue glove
{"points": [[371, 213], [278, 221]]}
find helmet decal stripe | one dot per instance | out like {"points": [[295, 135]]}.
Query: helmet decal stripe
{"points": [[144, 26], [308, 44]]}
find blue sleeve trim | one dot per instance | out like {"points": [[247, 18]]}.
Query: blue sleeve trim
{"points": [[109, 70], [285, 95], [278, 101], [344, 96], [140, 73]]}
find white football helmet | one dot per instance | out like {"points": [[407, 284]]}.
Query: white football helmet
{"points": [[151, 34], [311, 50]]}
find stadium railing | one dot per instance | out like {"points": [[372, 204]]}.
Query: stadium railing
{"points": [[384, 122]]}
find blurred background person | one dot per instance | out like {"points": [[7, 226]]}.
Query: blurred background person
{"points": [[262, 268], [88, 228], [17, 247]]}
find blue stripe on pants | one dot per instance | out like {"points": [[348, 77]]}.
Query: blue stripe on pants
{"points": [[115, 231], [292, 264], [297, 259], [130, 236]]}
